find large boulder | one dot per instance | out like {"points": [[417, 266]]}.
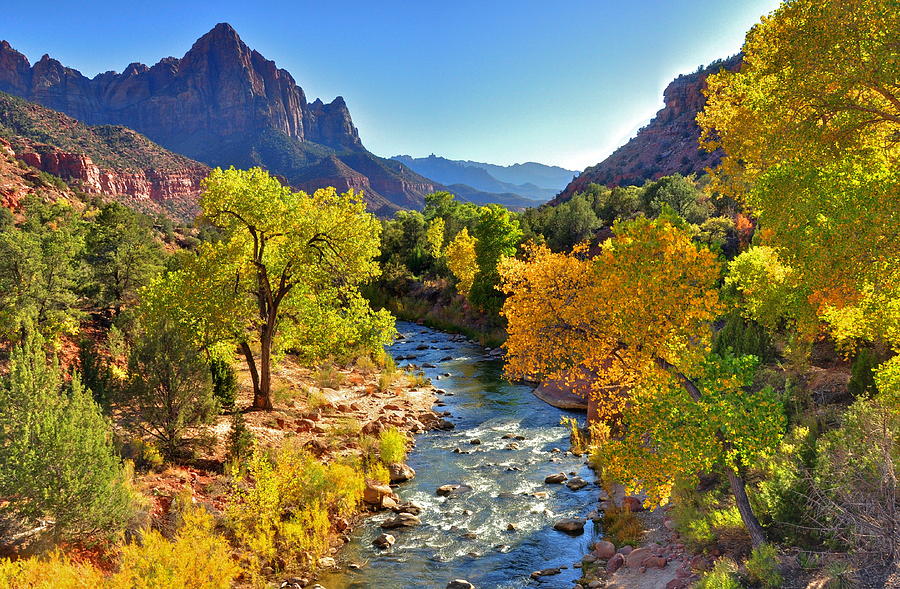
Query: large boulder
{"points": [[375, 493], [400, 472], [401, 520], [570, 525], [604, 549], [636, 557]]}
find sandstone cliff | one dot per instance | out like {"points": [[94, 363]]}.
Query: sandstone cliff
{"points": [[112, 161], [222, 103], [666, 145]]}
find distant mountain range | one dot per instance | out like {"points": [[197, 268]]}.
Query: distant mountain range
{"points": [[531, 182], [667, 144], [224, 104]]}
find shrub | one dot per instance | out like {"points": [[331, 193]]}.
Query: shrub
{"points": [[196, 558], [57, 453], [722, 576], [143, 454], [56, 571], [96, 374], [862, 375], [762, 566], [283, 518], [744, 337], [328, 377], [240, 439], [393, 445], [224, 383], [170, 385], [621, 526], [854, 488]]}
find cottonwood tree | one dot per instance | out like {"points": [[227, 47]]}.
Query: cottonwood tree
{"points": [[810, 126], [639, 317], [460, 256], [497, 235], [284, 275]]}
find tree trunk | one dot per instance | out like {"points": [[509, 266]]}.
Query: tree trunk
{"points": [[739, 490], [738, 487], [262, 398], [259, 400]]}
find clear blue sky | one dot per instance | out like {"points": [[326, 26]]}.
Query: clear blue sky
{"points": [[560, 82]]}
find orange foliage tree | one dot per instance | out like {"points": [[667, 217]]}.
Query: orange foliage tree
{"points": [[639, 316]]}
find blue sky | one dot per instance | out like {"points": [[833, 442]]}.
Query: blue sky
{"points": [[561, 82]]}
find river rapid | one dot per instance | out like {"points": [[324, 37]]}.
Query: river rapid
{"points": [[468, 536]]}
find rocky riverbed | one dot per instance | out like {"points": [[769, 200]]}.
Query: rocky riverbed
{"points": [[478, 510]]}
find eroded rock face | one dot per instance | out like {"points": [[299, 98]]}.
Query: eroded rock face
{"points": [[668, 144], [150, 184]]}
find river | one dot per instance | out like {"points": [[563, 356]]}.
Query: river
{"points": [[467, 537]]}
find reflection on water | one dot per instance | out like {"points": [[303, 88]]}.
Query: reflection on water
{"points": [[469, 536]]}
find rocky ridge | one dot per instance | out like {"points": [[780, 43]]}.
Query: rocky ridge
{"points": [[666, 145], [107, 160]]}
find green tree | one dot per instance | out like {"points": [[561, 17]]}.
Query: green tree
{"points": [[40, 271], [497, 235], [56, 450], [170, 385], [122, 255], [285, 274]]}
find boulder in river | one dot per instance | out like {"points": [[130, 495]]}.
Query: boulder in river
{"points": [[401, 520], [384, 541], [556, 479], [400, 472], [452, 490], [460, 584], [408, 507], [375, 493], [570, 525], [445, 425], [576, 483]]}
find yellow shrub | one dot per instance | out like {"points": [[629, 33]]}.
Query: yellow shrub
{"points": [[54, 572], [196, 559], [287, 510], [393, 445]]}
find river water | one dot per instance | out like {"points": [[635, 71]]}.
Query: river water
{"points": [[467, 537]]}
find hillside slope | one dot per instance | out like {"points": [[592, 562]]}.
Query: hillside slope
{"points": [[108, 160], [666, 145]]}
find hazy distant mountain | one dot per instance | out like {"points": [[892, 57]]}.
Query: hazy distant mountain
{"points": [[223, 104], [506, 199], [531, 181]]}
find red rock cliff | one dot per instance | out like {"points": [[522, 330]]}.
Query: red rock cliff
{"points": [[668, 144]]}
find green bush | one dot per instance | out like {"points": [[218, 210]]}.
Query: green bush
{"points": [[762, 567], [224, 383], [744, 337], [862, 374], [170, 385], [393, 445], [56, 451], [240, 439], [722, 576]]}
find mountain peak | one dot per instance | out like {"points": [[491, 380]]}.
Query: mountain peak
{"points": [[223, 30]]}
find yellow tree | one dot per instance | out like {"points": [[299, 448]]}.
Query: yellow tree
{"points": [[810, 127], [460, 255], [639, 317]]}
